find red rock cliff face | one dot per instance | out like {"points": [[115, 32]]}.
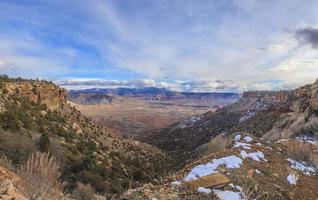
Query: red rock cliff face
{"points": [[39, 92]]}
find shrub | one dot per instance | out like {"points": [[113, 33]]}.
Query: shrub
{"points": [[9, 120], [302, 152], [217, 143], [40, 178], [17, 147], [44, 143], [84, 192], [6, 162]]}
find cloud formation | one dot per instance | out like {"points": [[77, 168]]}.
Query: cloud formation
{"points": [[244, 44], [180, 86], [308, 35]]}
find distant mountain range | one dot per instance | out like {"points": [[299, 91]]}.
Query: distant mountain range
{"points": [[147, 93]]}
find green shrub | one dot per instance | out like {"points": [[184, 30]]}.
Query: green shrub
{"points": [[10, 120], [44, 143]]}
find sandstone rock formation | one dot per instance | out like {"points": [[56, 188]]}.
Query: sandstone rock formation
{"points": [[39, 92]]}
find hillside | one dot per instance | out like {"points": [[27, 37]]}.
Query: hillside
{"points": [[271, 115], [263, 146], [246, 168], [36, 111]]}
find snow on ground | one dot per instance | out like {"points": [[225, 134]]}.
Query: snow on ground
{"points": [[237, 137], [188, 122], [237, 187], [248, 139], [258, 156], [230, 162], [246, 117], [204, 190], [302, 166], [308, 139], [292, 179], [227, 195], [176, 183], [282, 140], [243, 145]]}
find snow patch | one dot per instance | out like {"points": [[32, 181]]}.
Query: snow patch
{"points": [[308, 139], [227, 195], [282, 140], [292, 179], [204, 190], [258, 156], [302, 166], [246, 117], [248, 139], [176, 183], [237, 138], [230, 162], [187, 123], [237, 187], [241, 144]]}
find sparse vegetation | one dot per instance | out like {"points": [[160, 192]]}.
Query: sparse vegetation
{"points": [[40, 178], [218, 143], [6, 162], [302, 152], [84, 192], [44, 143]]}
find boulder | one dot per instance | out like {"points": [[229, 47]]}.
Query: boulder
{"points": [[216, 180]]}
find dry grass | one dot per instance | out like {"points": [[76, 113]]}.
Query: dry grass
{"points": [[303, 126], [84, 192], [253, 191], [302, 152], [218, 143], [40, 178], [6, 162]]}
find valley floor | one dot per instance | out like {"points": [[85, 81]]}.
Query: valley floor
{"points": [[133, 117]]}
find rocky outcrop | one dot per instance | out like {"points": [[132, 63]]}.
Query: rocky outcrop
{"points": [[305, 98], [8, 189], [216, 180], [39, 92]]}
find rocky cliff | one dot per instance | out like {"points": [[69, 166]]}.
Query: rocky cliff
{"points": [[36, 91]]}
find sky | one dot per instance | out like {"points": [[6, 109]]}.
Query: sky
{"points": [[183, 45]]}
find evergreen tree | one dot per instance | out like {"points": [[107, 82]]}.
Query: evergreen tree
{"points": [[44, 143]]}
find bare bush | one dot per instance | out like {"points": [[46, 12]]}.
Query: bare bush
{"points": [[251, 189], [217, 143], [302, 152], [84, 192], [40, 178], [6, 162]]}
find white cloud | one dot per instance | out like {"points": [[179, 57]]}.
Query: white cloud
{"points": [[250, 43], [181, 86]]}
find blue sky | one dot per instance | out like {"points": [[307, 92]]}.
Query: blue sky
{"points": [[186, 45]]}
